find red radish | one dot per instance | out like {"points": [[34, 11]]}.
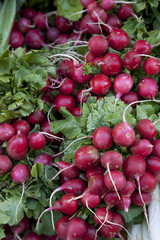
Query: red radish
{"points": [[97, 60], [62, 39], [156, 147], [29, 13], [85, 2], [125, 11], [71, 173], [67, 86], [40, 20], [143, 147], [98, 45], [102, 138], [118, 179], [153, 164], [44, 158], [63, 24], [36, 117], [50, 137], [89, 57], [91, 6], [78, 75], [1, 150], [100, 84], [20, 227], [136, 198], [131, 60], [134, 166], [147, 88], [82, 96], [157, 176], [92, 27], [24, 25], [90, 234], [130, 97], [84, 24], [112, 64], [99, 14], [87, 157], [20, 173], [45, 88], [114, 21], [32, 236], [118, 39], [142, 47], [146, 129], [147, 182], [34, 39], [76, 228], [102, 215], [96, 183], [36, 140], [66, 68], [22, 126], [61, 227], [6, 131], [66, 101], [98, 169], [151, 66], [16, 39], [126, 193], [77, 111], [52, 34], [90, 200], [17, 146], [111, 198], [5, 164], [112, 160], [122, 84], [63, 179]]}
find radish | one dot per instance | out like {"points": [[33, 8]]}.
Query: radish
{"points": [[112, 160], [98, 45], [32, 236], [98, 169], [76, 228], [68, 207], [148, 88], [36, 117], [24, 25], [21, 227], [43, 158], [112, 64], [99, 13], [111, 198], [23, 126], [77, 111], [68, 170], [114, 21], [85, 2], [52, 34], [61, 227], [110, 4], [156, 147], [118, 39], [63, 24], [16, 39], [62, 39], [100, 84], [126, 193], [130, 97], [151, 66], [143, 147], [102, 138], [96, 183], [36, 140], [78, 75], [153, 164], [122, 84], [5, 164], [90, 234], [137, 199], [118, 179], [87, 157], [66, 68], [17, 146], [6, 131], [89, 57], [100, 215], [125, 11], [67, 86], [39, 20], [93, 28], [146, 129], [90, 199], [97, 61], [147, 182], [66, 101], [34, 39], [132, 60], [142, 47], [28, 13], [92, 6]]}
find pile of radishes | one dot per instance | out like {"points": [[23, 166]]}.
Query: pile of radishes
{"points": [[102, 179]]}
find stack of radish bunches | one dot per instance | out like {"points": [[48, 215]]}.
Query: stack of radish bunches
{"points": [[92, 154]]}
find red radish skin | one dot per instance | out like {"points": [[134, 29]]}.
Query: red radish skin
{"points": [[44, 158], [136, 198], [134, 166], [82, 96], [6, 132], [66, 101], [147, 88], [99, 14], [98, 169], [97, 60], [130, 97], [100, 84], [125, 11], [132, 61], [142, 47], [128, 188], [143, 147], [76, 228], [78, 75], [63, 24], [102, 138], [21, 227], [122, 84], [36, 140], [52, 34], [147, 182], [111, 198], [28, 13], [5, 164], [66, 68], [87, 157], [61, 227], [40, 20], [108, 4], [89, 57], [91, 6], [16, 39], [20, 173], [90, 199], [118, 39], [118, 179], [91, 233], [45, 128], [36, 117], [112, 159], [156, 147], [100, 215], [77, 111], [85, 2], [123, 134], [92, 27], [67, 86], [17, 146], [98, 45], [153, 164], [96, 184], [68, 206], [146, 129], [23, 126], [71, 173], [62, 39], [34, 39], [23, 25], [151, 66], [114, 21], [32, 236], [112, 64]]}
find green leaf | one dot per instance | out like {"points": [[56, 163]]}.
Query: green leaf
{"points": [[145, 110], [2, 234], [4, 62], [69, 9], [70, 126], [134, 215], [7, 14], [37, 170]]}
